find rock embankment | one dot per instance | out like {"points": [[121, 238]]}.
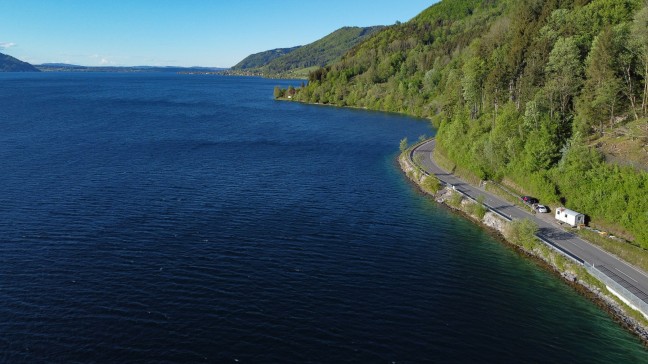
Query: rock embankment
{"points": [[574, 274], [451, 198]]}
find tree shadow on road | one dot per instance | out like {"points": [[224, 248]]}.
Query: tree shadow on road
{"points": [[555, 234]]}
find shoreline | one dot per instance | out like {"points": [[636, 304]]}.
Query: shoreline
{"points": [[575, 276], [328, 104]]}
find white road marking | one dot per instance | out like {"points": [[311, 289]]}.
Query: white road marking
{"points": [[578, 245], [552, 223], [625, 275]]}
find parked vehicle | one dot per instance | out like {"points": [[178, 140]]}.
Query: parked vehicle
{"points": [[570, 217], [529, 200], [542, 209]]}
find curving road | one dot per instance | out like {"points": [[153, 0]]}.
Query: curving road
{"points": [[630, 277]]}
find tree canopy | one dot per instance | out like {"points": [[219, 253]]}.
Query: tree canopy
{"points": [[521, 91]]}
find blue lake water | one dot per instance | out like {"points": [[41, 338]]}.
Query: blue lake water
{"points": [[187, 218]]}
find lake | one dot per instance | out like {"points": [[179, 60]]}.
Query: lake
{"points": [[192, 218]]}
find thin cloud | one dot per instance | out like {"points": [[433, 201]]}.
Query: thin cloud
{"points": [[102, 60], [6, 45]]}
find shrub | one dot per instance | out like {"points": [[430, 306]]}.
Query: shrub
{"points": [[403, 144], [455, 199], [479, 208], [522, 232], [431, 184]]}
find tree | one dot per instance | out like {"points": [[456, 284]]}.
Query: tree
{"points": [[522, 232], [403, 144], [498, 83], [541, 150], [532, 115], [564, 74], [576, 160], [277, 92], [640, 46], [627, 63], [472, 83], [600, 95]]}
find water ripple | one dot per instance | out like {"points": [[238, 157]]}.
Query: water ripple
{"points": [[194, 219]]}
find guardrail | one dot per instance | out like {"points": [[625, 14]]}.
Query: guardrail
{"points": [[561, 250], [623, 293], [411, 157], [488, 207]]}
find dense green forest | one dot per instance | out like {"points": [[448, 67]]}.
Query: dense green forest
{"points": [[298, 61], [533, 93], [260, 59], [11, 64]]}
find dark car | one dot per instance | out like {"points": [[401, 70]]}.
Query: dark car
{"points": [[529, 200]]}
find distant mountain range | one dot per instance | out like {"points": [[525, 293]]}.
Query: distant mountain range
{"points": [[64, 67], [298, 61], [281, 62], [11, 64]]}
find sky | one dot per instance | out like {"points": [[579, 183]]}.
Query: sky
{"points": [[213, 33]]}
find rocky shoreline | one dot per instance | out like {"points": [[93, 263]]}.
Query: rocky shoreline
{"points": [[572, 273]]}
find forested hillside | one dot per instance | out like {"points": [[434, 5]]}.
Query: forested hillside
{"points": [[11, 64], [537, 94], [298, 61], [262, 58]]}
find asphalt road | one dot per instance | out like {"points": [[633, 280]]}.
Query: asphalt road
{"points": [[631, 278]]}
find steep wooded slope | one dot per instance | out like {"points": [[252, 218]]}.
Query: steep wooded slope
{"points": [[316, 54], [262, 58], [322, 51], [523, 92]]}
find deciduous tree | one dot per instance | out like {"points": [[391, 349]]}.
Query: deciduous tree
{"points": [[564, 71], [640, 46], [472, 83]]}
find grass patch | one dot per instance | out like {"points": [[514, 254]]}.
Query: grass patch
{"points": [[431, 185], [496, 189], [445, 163], [625, 145], [413, 175], [477, 208], [480, 209], [455, 199], [418, 160]]}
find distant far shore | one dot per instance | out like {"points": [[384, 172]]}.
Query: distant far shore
{"points": [[61, 67]]}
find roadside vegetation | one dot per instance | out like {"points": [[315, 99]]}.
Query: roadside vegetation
{"points": [[403, 145], [455, 199], [431, 185], [479, 209], [548, 95], [632, 254], [523, 233]]}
